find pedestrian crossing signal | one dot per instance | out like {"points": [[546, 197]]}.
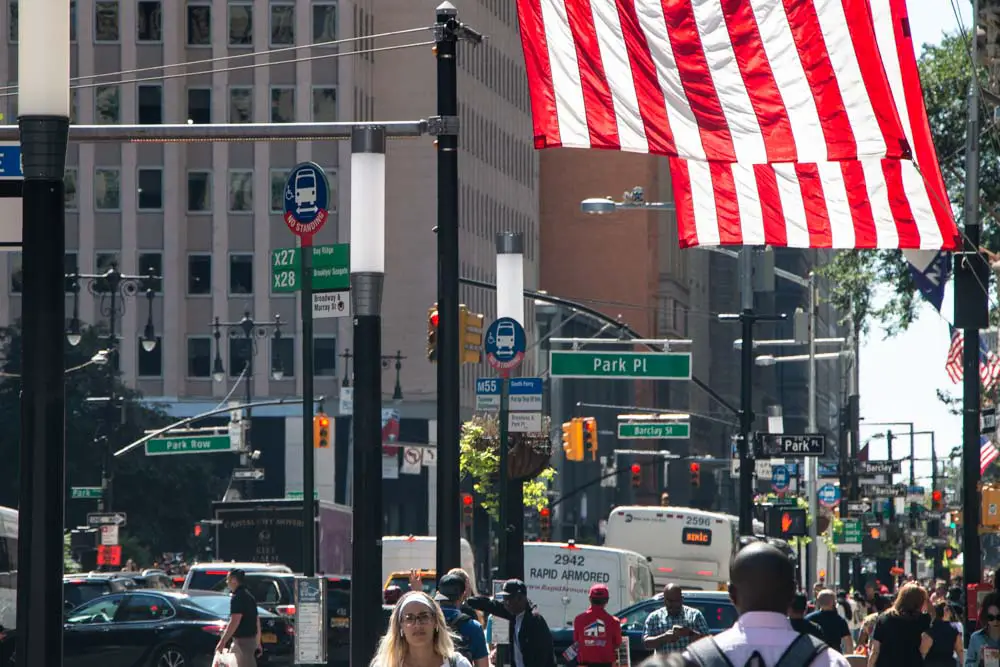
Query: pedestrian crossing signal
{"points": [[321, 431]]}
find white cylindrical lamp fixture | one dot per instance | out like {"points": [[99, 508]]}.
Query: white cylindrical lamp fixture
{"points": [[510, 275], [368, 200], [43, 58]]}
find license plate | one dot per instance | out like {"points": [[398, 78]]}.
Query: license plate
{"points": [[340, 622], [268, 638]]}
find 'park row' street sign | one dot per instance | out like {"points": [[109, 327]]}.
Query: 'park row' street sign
{"points": [[620, 365], [189, 445]]}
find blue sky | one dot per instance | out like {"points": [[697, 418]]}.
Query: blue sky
{"points": [[900, 375]]}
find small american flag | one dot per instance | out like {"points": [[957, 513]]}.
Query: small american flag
{"points": [[989, 363], [988, 453]]}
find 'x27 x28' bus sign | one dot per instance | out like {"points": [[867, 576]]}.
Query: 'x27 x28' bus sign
{"points": [[777, 445]]}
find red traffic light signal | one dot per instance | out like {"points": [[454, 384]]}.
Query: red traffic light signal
{"points": [[545, 512], [467, 500], [197, 530], [937, 498], [636, 475], [467, 509], [695, 469], [434, 319], [636, 468]]}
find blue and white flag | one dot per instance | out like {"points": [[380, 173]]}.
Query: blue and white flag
{"points": [[930, 270]]}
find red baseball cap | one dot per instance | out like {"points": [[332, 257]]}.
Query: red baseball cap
{"points": [[599, 592]]}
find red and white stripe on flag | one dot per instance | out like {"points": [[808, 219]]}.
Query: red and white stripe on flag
{"points": [[989, 362], [988, 453], [867, 203], [750, 81]]}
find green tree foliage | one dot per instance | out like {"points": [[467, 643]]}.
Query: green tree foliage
{"points": [[163, 496], [479, 458], [945, 75]]}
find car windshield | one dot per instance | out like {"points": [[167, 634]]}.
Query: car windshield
{"points": [[78, 593], [207, 580], [429, 585], [719, 615]]}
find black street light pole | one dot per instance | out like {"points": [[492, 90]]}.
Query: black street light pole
{"points": [[247, 332], [388, 361], [112, 287]]}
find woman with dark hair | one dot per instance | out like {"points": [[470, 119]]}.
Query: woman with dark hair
{"points": [[947, 640], [900, 638], [985, 642]]}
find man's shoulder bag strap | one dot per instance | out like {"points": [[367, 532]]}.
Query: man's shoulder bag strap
{"points": [[802, 651], [706, 653]]}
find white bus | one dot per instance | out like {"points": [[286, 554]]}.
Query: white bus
{"points": [[688, 547], [8, 568]]}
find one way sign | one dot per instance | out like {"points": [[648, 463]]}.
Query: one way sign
{"points": [[106, 519], [254, 474]]}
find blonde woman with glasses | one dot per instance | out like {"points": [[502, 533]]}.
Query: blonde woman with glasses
{"points": [[418, 636]]}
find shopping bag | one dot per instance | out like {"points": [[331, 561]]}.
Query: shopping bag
{"points": [[224, 658]]}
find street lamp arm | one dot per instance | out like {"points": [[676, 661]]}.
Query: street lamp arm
{"points": [[204, 415], [601, 317]]}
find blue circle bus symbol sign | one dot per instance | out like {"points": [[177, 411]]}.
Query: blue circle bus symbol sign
{"points": [[307, 201], [780, 477], [504, 345], [828, 495]]}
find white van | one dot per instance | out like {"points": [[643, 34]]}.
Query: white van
{"points": [[419, 552], [559, 576]]}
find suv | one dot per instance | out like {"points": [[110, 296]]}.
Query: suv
{"points": [[205, 576], [275, 592], [81, 588]]}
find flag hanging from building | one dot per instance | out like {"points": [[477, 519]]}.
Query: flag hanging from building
{"points": [[866, 203], [988, 453], [728, 81], [989, 362], [930, 271]]}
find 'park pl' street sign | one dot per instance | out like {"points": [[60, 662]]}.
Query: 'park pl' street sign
{"points": [[654, 430], [86, 493], [620, 365], [780, 445], [331, 268], [189, 445]]}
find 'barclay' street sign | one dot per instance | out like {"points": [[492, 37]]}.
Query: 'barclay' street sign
{"points": [[877, 467], [884, 490], [654, 430]]}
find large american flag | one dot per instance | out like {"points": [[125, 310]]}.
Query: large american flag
{"points": [[989, 362], [784, 123], [988, 453]]}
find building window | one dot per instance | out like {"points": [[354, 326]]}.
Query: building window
{"points": [[282, 24], [240, 104], [12, 21], [151, 263], [325, 356], [16, 273], [103, 262], [150, 363], [149, 21], [240, 191], [106, 21], [199, 25], [278, 178], [241, 274], [70, 267], [240, 24], [70, 198], [107, 189], [199, 356], [150, 104], [324, 105], [282, 104], [150, 189], [107, 105], [199, 275], [283, 356], [240, 352], [199, 191], [199, 105], [324, 22]]}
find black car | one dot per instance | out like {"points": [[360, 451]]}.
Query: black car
{"points": [[715, 606], [82, 588], [275, 592], [161, 628]]}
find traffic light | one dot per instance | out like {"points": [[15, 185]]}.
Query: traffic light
{"points": [[636, 475], [949, 553], [875, 533], [468, 506], [197, 530], [590, 437], [432, 333], [321, 431], [573, 439], [695, 469], [472, 335], [785, 523], [545, 523], [937, 500]]}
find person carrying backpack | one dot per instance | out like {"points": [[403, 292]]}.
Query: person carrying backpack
{"points": [[470, 640], [762, 587]]}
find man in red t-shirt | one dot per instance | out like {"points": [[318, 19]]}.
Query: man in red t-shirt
{"points": [[597, 633]]}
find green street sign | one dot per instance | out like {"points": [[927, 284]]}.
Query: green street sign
{"points": [[850, 532], [299, 495], [188, 445], [654, 430], [331, 268], [621, 365], [86, 493]]}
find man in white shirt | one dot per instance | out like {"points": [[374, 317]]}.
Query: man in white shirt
{"points": [[762, 586]]}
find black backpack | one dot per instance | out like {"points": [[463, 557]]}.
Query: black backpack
{"points": [[461, 645], [800, 653]]}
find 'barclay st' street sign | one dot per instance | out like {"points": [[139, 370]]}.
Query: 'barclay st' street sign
{"points": [[877, 467], [654, 431], [621, 365]]}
